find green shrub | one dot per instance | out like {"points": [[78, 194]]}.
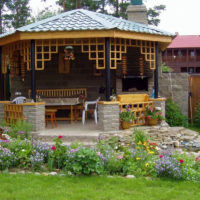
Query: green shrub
{"points": [[174, 117], [83, 160]]}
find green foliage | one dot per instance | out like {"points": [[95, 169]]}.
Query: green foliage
{"points": [[20, 12], [174, 117], [20, 129], [43, 14], [196, 120], [83, 160], [154, 13], [22, 150], [165, 68], [127, 115], [140, 136]]}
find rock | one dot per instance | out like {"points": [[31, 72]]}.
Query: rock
{"points": [[130, 176], [62, 174], [37, 173], [45, 174], [53, 173], [176, 144], [12, 172], [22, 172], [164, 147]]}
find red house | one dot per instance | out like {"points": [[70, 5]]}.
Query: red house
{"points": [[183, 54]]}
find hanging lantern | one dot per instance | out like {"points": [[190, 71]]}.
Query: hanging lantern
{"points": [[124, 65], [141, 66], [69, 53], [22, 68]]}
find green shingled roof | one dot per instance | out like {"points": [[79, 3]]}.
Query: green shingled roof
{"points": [[81, 20]]}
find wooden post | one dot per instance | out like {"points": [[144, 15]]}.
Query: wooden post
{"points": [[1, 77], [33, 78], [107, 49], [156, 73]]}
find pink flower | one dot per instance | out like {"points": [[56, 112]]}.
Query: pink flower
{"points": [[148, 117], [160, 156], [120, 157], [53, 148], [60, 136], [181, 161], [98, 153], [196, 159]]}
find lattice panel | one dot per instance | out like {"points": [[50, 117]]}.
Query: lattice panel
{"points": [[43, 51], [117, 48], [9, 54], [96, 50], [147, 48], [13, 113], [94, 47]]}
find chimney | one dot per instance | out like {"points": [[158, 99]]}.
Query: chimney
{"points": [[137, 12]]}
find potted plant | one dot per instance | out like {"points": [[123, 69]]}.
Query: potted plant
{"points": [[153, 115], [127, 117]]}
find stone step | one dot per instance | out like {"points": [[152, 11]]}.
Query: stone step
{"points": [[86, 144], [88, 138]]}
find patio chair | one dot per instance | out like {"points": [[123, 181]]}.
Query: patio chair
{"points": [[86, 109], [19, 100]]}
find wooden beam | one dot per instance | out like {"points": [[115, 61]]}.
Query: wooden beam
{"points": [[84, 34], [107, 48], [10, 39], [1, 77], [156, 73], [33, 78]]}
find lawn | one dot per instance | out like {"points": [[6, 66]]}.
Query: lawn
{"points": [[39, 187]]}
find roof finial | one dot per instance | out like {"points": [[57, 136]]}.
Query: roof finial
{"points": [[136, 2]]}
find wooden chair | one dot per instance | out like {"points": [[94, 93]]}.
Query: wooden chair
{"points": [[50, 115]]}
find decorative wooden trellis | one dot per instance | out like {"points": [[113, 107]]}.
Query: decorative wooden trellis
{"points": [[13, 112], [11, 54], [95, 47]]}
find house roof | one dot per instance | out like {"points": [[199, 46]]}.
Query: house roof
{"points": [[185, 41], [81, 20]]}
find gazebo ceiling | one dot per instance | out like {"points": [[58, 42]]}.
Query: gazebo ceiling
{"points": [[85, 24]]}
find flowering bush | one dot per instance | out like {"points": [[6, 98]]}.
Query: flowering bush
{"points": [[167, 166], [57, 154], [127, 115], [7, 158], [152, 113]]}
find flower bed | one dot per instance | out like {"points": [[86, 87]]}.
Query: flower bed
{"points": [[139, 157]]}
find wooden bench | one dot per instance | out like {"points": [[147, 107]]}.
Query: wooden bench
{"points": [[75, 110], [137, 103]]}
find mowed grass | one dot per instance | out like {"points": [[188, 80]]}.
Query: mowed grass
{"points": [[39, 187]]}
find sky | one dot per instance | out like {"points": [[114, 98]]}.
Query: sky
{"points": [[180, 15]]}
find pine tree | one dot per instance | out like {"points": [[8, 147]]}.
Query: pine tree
{"points": [[20, 12]]}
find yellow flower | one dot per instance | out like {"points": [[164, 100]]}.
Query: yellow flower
{"points": [[151, 152], [144, 143], [147, 164], [137, 147], [138, 158], [139, 143]]}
